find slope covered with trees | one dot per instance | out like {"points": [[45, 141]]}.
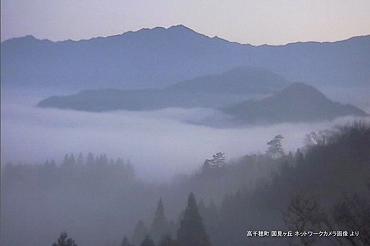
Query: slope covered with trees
{"points": [[321, 187]]}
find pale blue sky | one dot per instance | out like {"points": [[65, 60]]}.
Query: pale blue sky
{"points": [[245, 21]]}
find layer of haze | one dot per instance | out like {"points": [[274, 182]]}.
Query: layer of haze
{"points": [[245, 21], [159, 144]]}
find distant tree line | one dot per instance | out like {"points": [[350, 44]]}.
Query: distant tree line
{"points": [[323, 186]]}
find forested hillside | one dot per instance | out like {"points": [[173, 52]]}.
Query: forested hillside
{"points": [[321, 187]]}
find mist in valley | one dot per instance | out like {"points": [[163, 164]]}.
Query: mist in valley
{"points": [[160, 143], [137, 158], [165, 136]]}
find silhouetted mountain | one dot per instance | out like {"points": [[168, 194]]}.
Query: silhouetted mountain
{"points": [[241, 80], [296, 103], [207, 91], [163, 56]]}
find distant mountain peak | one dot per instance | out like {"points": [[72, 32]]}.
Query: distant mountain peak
{"points": [[158, 57], [27, 38], [302, 91], [30, 37], [174, 28], [238, 80], [180, 27], [296, 103]]}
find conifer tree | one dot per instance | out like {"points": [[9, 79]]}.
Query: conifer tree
{"points": [[72, 160], [80, 159], [192, 231], [126, 242], [159, 226], [147, 242], [167, 241], [140, 233], [90, 159]]}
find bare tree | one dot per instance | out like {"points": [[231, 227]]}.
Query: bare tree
{"points": [[353, 213], [304, 213]]}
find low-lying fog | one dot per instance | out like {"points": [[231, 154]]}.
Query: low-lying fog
{"points": [[158, 143]]}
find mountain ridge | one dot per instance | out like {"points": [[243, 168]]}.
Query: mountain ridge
{"points": [[184, 27], [158, 57], [205, 91]]}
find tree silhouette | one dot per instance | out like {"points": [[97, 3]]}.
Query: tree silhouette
{"points": [[80, 159], [218, 160], [69, 160], [167, 241], [159, 226], [63, 240], [353, 213], [275, 148], [192, 231], [304, 213], [140, 233], [147, 242], [126, 242], [90, 160]]}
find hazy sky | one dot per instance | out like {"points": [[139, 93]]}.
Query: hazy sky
{"points": [[245, 21]]}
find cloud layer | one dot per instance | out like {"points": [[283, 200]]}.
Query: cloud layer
{"points": [[158, 143]]}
